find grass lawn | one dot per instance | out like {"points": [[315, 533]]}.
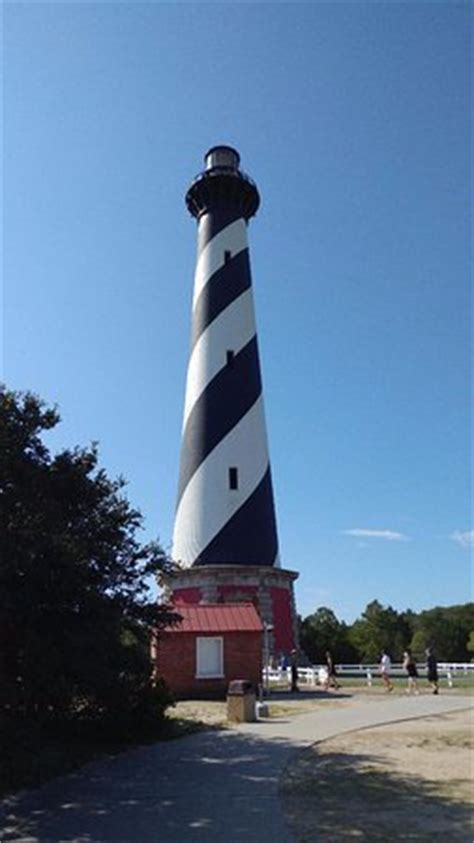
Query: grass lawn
{"points": [[461, 684]]}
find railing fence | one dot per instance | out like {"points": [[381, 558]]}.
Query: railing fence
{"points": [[317, 674]]}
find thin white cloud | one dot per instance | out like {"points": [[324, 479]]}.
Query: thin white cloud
{"points": [[388, 535], [463, 537]]}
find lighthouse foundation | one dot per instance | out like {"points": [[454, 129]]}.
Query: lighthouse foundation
{"points": [[269, 589]]}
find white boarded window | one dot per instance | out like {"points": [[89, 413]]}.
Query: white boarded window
{"points": [[209, 658]]}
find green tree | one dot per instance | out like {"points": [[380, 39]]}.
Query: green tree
{"points": [[447, 629], [419, 642], [379, 627], [470, 644], [322, 631], [74, 612]]}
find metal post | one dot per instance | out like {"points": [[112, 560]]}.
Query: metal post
{"points": [[266, 653]]}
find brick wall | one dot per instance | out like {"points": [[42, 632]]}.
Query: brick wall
{"points": [[283, 639], [187, 595], [238, 594], [269, 589], [176, 662]]}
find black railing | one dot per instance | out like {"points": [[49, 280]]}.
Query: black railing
{"points": [[223, 171]]}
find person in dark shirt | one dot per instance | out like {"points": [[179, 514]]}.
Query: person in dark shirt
{"points": [[432, 669], [331, 681], [294, 670], [409, 664]]}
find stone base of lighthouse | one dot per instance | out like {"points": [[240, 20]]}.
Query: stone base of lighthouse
{"points": [[270, 589]]}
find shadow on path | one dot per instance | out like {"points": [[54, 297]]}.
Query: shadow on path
{"points": [[138, 796], [343, 796], [223, 785]]}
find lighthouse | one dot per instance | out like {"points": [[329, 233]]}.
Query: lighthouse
{"points": [[225, 533]]}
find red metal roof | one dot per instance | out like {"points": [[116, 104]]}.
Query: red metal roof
{"points": [[217, 617]]}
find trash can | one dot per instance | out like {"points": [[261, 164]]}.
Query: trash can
{"points": [[241, 699]]}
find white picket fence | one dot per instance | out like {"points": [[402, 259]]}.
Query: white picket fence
{"points": [[317, 674]]}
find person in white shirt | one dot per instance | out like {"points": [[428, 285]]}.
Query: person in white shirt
{"points": [[385, 667]]}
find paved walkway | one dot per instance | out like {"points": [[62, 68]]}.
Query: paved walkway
{"points": [[206, 788]]}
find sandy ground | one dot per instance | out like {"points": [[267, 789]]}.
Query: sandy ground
{"points": [[209, 713], [409, 781], [213, 713]]}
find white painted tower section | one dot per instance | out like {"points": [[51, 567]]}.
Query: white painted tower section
{"points": [[225, 512]]}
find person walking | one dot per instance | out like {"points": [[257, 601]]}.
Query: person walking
{"points": [[432, 666], [409, 665], [331, 681], [385, 668], [294, 670]]}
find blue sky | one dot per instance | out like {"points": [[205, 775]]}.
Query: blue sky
{"points": [[353, 118]]}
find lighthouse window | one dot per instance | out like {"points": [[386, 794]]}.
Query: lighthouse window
{"points": [[227, 256], [233, 478], [230, 357]]}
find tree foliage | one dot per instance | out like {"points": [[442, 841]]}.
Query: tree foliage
{"points": [[322, 631], [447, 629], [74, 611], [470, 643], [379, 628]]}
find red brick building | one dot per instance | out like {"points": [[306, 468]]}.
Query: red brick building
{"points": [[211, 645], [269, 589]]}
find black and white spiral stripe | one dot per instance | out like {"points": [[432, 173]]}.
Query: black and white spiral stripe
{"points": [[224, 424]]}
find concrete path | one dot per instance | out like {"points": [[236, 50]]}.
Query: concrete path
{"points": [[206, 788]]}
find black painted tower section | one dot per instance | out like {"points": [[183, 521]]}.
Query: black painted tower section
{"points": [[225, 510]]}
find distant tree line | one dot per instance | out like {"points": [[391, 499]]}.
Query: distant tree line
{"points": [[75, 615], [448, 629]]}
